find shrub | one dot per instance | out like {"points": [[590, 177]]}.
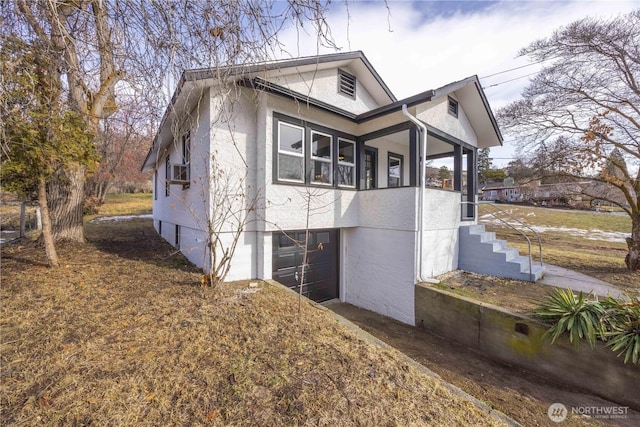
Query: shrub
{"points": [[91, 206], [613, 321]]}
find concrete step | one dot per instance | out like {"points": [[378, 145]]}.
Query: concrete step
{"points": [[480, 252]]}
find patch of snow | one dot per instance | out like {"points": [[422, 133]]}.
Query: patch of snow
{"points": [[9, 236], [120, 218], [592, 234]]}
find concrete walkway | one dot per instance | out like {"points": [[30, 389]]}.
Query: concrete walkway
{"points": [[577, 282]]}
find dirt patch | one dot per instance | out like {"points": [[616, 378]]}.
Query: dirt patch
{"points": [[599, 259], [515, 295], [122, 334], [521, 395]]}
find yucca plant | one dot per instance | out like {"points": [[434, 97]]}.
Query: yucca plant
{"points": [[614, 321], [578, 316], [623, 327]]}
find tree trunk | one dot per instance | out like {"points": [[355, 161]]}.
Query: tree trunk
{"points": [[66, 196], [49, 246], [633, 257]]}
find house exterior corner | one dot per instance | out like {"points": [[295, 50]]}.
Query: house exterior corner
{"points": [[335, 169]]}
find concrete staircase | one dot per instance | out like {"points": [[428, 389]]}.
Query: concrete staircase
{"points": [[481, 252]]}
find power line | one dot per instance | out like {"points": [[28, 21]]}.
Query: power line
{"points": [[510, 80], [516, 68]]}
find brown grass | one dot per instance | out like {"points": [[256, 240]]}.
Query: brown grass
{"points": [[122, 334], [596, 258]]}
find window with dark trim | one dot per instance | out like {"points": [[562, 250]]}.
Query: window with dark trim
{"points": [[453, 107], [155, 184], [186, 156], [346, 163], [306, 153], [321, 158], [370, 168], [395, 172], [290, 152], [167, 176], [346, 84]]}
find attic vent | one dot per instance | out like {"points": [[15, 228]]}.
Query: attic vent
{"points": [[453, 107], [347, 84]]}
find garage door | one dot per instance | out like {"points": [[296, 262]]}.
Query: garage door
{"points": [[321, 276]]}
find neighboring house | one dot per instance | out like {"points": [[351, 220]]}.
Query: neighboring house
{"points": [[497, 192], [327, 126]]}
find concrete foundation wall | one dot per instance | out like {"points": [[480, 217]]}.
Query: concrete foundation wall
{"points": [[518, 340], [441, 223], [379, 268]]}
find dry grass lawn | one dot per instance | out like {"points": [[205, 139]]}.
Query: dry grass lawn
{"points": [[122, 334]]}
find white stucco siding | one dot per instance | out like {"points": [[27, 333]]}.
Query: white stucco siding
{"points": [[379, 271], [303, 112], [441, 222], [323, 85], [328, 208], [180, 206], [389, 208], [436, 114], [226, 128]]}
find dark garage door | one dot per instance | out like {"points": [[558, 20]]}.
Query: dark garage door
{"points": [[321, 277]]}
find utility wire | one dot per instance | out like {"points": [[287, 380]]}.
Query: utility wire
{"points": [[510, 80], [516, 68]]}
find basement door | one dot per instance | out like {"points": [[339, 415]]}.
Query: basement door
{"points": [[321, 275]]}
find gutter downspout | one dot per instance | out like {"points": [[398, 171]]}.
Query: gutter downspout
{"points": [[420, 231]]}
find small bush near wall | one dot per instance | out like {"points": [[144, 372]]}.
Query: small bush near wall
{"points": [[610, 320]]}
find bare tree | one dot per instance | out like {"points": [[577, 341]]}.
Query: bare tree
{"points": [[102, 49], [590, 96]]}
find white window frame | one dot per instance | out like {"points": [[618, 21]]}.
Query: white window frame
{"points": [[329, 160], [290, 153], [344, 163], [186, 156], [400, 177]]}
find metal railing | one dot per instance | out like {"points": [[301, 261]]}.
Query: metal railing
{"points": [[495, 215]]}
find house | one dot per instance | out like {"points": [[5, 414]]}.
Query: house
{"points": [[506, 191], [323, 133]]}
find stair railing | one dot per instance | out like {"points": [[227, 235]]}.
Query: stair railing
{"points": [[494, 214]]}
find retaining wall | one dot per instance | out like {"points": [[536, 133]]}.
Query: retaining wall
{"points": [[518, 340]]}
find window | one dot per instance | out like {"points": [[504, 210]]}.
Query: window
{"points": [[346, 162], [155, 184], [395, 170], [167, 175], [453, 107], [312, 154], [290, 152], [346, 84], [321, 158], [370, 168], [186, 155]]}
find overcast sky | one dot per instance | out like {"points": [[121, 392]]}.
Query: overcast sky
{"points": [[421, 45]]}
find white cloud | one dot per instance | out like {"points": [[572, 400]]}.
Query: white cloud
{"points": [[434, 43]]}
